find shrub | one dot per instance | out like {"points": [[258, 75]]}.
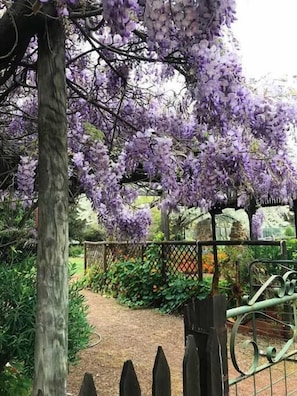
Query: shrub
{"points": [[14, 382], [94, 233], [135, 283], [17, 316], [289, 231], [179, 290], [291, 249], [141, 283], [76, 250], [95, 279]]}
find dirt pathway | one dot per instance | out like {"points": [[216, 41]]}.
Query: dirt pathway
{"points": [[135, 335], [128, 334]]}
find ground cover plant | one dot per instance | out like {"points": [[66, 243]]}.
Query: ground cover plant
{"points": [[17, 324]]}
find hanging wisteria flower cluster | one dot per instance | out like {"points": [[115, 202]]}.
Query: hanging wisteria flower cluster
{"points": [[157, 101]]}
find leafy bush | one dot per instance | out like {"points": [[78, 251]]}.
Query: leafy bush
{"points": [[76, 250], [14, 382], [141, 283], [135, 283], [266, 252], [93, 233], [17, 316], [291, 249], [289, 231], [95, 279], [179, 290], [235, 265]]}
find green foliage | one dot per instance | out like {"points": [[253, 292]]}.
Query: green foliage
{"points": [[266, 252], [289, 231], [291, 249], [77, 225], [235, 266], [138, 283], [244, 255], [180, 289], [14, 382], [135, 283], [17, 231], [96, 280], [159, 236], [17, 316], [76, 250], [94, 233], [92, 131]]}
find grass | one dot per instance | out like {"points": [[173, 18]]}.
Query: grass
{"points": [[79, 263]]}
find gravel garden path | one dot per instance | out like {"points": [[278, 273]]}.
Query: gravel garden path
{"points": [[128, 334]]}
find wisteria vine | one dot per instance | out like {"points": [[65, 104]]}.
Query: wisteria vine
{"points": [[134, 125]]}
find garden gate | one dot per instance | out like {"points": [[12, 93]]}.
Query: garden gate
{"points": [[269, 367]]}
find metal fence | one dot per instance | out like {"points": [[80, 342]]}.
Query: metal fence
{"points": [[262, 344]]}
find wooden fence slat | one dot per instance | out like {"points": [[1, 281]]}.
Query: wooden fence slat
{"points": [[200, 317], [88, 387], [217, 377], [191, 369], [129, 385], [161, 375]]}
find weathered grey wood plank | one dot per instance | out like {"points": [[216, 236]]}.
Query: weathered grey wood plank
{"points": [[191, 369], [217, 379]]}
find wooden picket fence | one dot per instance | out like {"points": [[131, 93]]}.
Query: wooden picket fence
{"points": [[161, 386], [205, 369]]}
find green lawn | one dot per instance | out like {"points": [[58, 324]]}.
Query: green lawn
{"points": [[79, 262]]}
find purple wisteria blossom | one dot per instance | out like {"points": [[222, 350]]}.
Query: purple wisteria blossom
{"points": [[25, 179], [157, 100]]}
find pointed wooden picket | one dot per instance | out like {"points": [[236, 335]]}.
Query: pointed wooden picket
{"points": [[129, 385], [161, 375], [88, 387], [191, 369]]}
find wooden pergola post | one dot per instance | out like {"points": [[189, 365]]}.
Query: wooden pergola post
{"points": [[295, 215], [251, 210]]}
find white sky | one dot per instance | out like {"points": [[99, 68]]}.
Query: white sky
{"points": [[267, 32]]}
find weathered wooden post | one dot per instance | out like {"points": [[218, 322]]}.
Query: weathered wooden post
{"points": [[206, 321], [104, 258], [85, 257]]}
